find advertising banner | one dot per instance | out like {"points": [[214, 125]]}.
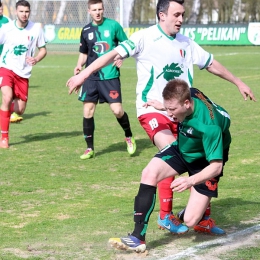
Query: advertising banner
{"points": [[219, 34]]}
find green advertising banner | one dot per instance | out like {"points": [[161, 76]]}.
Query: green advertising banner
{"points": [[222, 34], [245, 34]]}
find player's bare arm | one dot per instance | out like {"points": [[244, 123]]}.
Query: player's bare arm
{"points": [[183, 183], [75, 82], [81, 61], [41, 54], [218, 69]]}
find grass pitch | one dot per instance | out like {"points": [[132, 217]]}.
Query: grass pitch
{"points": [[56, 206]]}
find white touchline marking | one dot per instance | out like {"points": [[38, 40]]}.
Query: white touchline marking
{"points": [[219, 241]]}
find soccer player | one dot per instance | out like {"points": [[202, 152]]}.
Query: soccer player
{"points": [[3, 20], [201, 150], [20, 38], [163, 54], [97, 38]]}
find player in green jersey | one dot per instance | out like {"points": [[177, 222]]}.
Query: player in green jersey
{"points": [[201, 150], [3, 20], [97, 38], [162, 53]]}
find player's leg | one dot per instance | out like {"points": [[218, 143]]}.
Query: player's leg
{"points": [[156, 170], [162, 132], [12, 86], [110, 92], [88, 94], [88, 129], [165, 164], [123, 120], [17, 109], [196, 207], [7, 97]]}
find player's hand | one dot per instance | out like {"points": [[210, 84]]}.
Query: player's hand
{"points": [[31, 61], [154, 103], [77, 70], [246, 91], [118, 61], [181, 184], [74, 83]]}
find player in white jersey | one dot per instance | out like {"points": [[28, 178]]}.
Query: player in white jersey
{"points": [[160, 58], [161, 54], [20, 37], [4, 20]]}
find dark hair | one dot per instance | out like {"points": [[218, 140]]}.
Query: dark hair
{"points": [[163, 6], [23, 3], [93, 2], [1, 4], [177, 89]]}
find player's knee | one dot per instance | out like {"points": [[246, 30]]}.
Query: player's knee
{"points": [[149, 176], [118, 112]]}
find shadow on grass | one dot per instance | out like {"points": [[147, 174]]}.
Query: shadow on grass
{"points": [[116, 147], [30, 116], [47, 136], [141, 144]]}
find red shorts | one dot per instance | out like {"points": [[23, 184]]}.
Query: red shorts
{"points": [[153, 123], [18, 84]]}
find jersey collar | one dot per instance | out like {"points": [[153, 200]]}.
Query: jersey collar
{"points": [[168, 36]]}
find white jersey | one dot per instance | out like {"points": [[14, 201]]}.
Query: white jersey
{"points": [[159, 59], [19, 44]]}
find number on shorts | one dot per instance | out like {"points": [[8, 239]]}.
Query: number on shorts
{"points": [[153, 123]]}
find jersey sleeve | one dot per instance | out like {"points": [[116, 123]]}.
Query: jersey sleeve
{"points": [[200, 57], [131, 46], [3, 32], [41, 42], [213, 143], [120, 34], [83, 47]]}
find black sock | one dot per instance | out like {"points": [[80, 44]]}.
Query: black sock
{"points": [[125, 124], [180, 214], [88, 131], [143, 208]]}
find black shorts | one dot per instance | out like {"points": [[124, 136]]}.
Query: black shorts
{"points": [[171, 155], [108, 91]]}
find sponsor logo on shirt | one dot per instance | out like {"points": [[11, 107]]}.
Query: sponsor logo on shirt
{"points": [[171, 72], [101, 47]]}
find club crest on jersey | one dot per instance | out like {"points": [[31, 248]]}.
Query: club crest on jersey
{"points": [[106, 33], [91, 36], [183, 53]]}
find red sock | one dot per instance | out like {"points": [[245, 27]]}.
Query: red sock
{"points": [[207, 211], [4, 123], [165, 196]]}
